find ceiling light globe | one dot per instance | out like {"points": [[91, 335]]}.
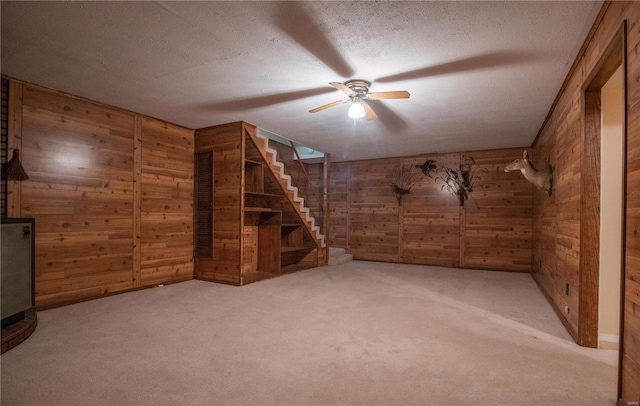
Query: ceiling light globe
{"points": [[356, 110]]}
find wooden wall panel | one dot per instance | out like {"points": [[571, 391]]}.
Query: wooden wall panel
{"points": [[106, 221], [79, 157], [315, 205], [373, 212], [338, 223], [557, 251], [428, 226], [557, 219], [166, 203], [630, 384], [227, 144], [431, 218], [498, 217]]}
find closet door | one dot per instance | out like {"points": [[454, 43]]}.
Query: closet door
{"points": [[204, 205]]}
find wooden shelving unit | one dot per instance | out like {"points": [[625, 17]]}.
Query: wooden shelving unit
{"points": [[258, 231]]}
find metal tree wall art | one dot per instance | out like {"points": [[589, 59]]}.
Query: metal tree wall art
{"points": [[402, 178], [459, 181]]}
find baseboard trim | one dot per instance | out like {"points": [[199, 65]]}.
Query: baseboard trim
{"points": [[558, 312]]}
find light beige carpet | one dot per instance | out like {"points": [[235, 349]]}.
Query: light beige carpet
{"points": [[361, 333]]}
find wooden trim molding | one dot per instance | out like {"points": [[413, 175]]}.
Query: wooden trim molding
{"points": [[137, 201], [590, 220]]}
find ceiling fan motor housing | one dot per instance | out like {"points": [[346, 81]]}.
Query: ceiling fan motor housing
{"points": [[360, 87]]}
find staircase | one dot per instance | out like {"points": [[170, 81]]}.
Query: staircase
{"points": [[277, 168], [338, 256]]}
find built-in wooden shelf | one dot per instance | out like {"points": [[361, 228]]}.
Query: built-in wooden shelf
{"points": [[295, 249], [251, 162], [294, 268], [262, 210], [256, 194], [251, 185]]}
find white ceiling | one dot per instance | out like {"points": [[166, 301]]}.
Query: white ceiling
{"points": [[481, 75]]}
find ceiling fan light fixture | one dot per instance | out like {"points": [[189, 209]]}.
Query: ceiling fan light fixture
{"points": [[356, 110]]}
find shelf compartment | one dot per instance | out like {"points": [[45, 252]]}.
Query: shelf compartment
{"points": [[262, 210], [295, 268], [261, 200], [295, 255], [253, 176]]}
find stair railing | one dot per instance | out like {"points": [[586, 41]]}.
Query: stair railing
{"points": [[294, 167]]}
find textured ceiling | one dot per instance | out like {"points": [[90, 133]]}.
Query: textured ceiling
{"points": [[481, 75]]}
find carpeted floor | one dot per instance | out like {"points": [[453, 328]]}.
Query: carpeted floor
{"points": [[362, 333]]}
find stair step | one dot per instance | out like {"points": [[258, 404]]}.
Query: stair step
{"points": [[336, 251], [339, 259], [290, 190]]}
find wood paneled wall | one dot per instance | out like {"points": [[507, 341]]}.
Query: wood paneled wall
{"points": [[111, 192], [166, 209], [492, 231], [558, 228]]}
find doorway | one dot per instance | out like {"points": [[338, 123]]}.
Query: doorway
{"points": [[611, 214], [602, 209]]}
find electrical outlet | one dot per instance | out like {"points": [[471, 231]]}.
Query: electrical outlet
{"points": [[566, 289], [566, 309]]}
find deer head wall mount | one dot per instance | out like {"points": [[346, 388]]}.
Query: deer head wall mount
{"points": [[542, 179]]}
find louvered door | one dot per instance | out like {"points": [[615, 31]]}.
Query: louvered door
{"points": [[204, 205]]}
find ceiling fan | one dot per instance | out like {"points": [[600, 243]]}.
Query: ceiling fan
{"points": [[358, 92]]}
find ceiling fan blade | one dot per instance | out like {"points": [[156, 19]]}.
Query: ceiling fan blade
{"points": [[294, 21], [326, 106], [369, 114], [342, 87], [398, 94]]}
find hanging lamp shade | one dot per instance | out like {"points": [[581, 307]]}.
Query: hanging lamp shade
{"points": [[13, 169]]}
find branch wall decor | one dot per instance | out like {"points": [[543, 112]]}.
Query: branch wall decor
{"points": [[402, 178], [459, 181]]}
